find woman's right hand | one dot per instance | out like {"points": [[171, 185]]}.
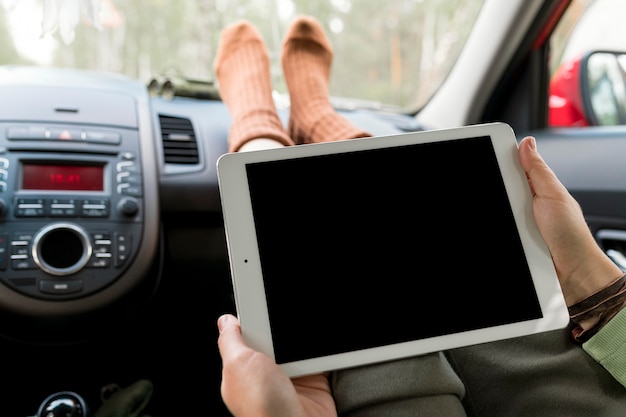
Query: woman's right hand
{"points": [[253, 385]]}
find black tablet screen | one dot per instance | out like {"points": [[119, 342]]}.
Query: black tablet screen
{"points": [[376, 247]]}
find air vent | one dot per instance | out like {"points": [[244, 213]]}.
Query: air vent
{"points": [[179, 140]]}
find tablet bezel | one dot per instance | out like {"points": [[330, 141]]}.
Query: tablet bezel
{"points": [[247, 279]]}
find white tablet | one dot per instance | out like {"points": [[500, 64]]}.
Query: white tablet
{"points": [[367, 250]]}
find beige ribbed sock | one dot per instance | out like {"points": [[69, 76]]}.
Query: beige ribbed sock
{"points": [[306, 60], [243, 76]]}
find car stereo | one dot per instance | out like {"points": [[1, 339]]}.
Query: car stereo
{"points": [[71, 220], [79, 191]]}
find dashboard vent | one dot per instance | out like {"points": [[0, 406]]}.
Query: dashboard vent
{"points": [[179, 140]]}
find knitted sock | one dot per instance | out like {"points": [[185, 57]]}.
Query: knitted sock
{"points": [[242, 69], [306, 59]]}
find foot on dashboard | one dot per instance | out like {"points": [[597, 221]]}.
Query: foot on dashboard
{"points": [[243, 76], [306, 59]]}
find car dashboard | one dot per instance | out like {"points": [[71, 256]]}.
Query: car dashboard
{"points": [[113, 263]]}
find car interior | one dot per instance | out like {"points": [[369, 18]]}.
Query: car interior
{"points": [[121, 276]]}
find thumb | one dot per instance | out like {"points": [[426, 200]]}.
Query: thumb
{"points": [[230, 341], [543, 182], [227, 322]]}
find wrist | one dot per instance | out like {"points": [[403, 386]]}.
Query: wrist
{"points": [[593, 312], [584, 281]]}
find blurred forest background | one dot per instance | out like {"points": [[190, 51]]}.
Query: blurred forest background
{"points": [[395, 52]]}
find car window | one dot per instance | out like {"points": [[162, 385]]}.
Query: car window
{"points": [[395, 52], [588, 81]]}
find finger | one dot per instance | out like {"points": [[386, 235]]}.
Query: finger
{"points": [[227, 321], [542, 180], [230, 342]]}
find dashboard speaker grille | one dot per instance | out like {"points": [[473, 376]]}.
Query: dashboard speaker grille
{"points": [[179, 140]]}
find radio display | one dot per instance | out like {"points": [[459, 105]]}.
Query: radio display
{"points": [[62, 177]]}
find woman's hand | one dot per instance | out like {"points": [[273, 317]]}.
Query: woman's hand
{"points": [[581, 265], [253, 385]]}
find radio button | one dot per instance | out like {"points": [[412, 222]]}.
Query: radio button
{"points": [[62, 208], [127, 166], [20, 248], [4, 163], [122, 248], [125, 177], [105, 237], [64, 134], [121, 176], [101, 240], [19, 252], [28, 207], [101, 255], [22, 238], [129, 189], [99, 263], [60, 287], [108, 138], [20, 264], [102, 252], [26, 133], [94, 208]]}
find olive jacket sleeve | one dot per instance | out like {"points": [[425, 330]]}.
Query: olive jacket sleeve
{"points": [[608, 347]]}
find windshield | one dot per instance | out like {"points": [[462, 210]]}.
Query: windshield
{"points": [[395, 52]]}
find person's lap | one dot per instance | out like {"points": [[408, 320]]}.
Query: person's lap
{"points": [[541, 375], [423, 386]]}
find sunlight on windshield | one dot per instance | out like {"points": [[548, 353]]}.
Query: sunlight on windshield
{"points": [[397, 52], [24, 25]]}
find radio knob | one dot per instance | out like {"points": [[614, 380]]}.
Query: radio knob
{"points": [[61, 249], [128, 206]]}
